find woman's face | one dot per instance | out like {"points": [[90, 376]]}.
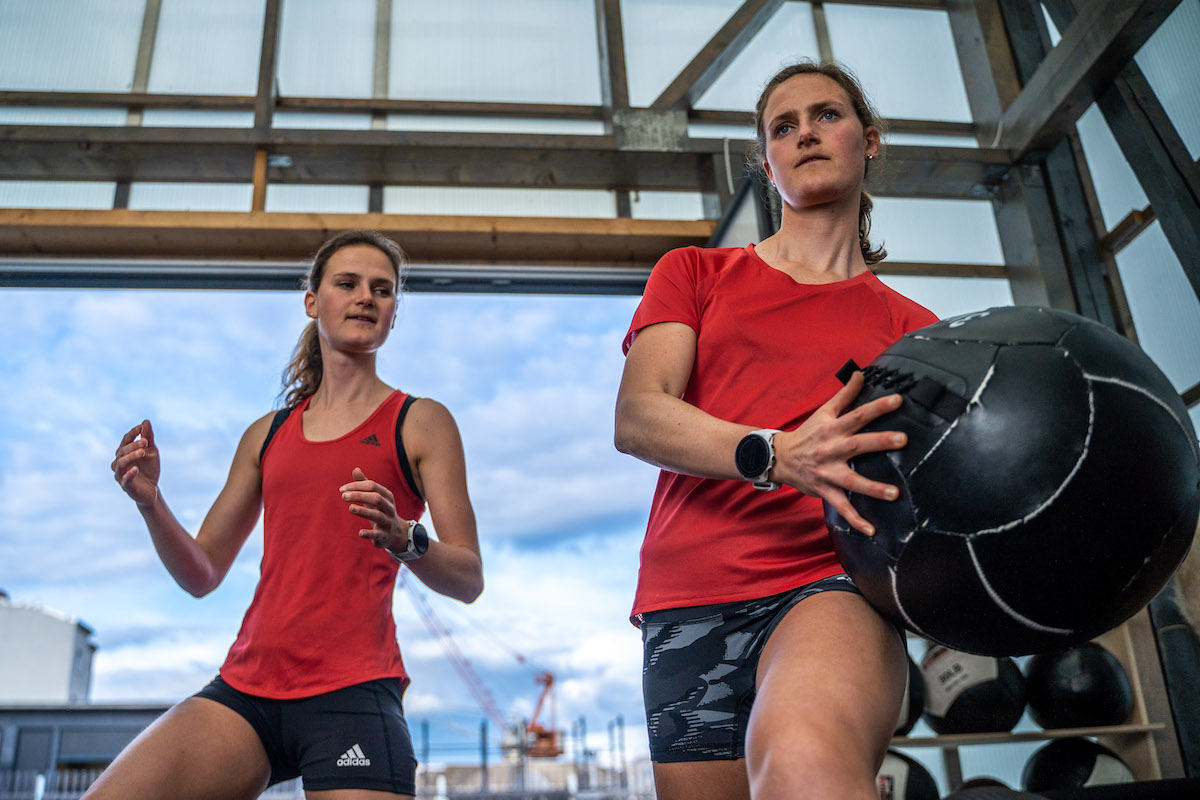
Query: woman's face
{"points": [[816, 147], [355, 302]]}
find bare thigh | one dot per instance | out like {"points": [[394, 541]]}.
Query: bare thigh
{"points": [[830, 682], [702, 780], [198, 750]]}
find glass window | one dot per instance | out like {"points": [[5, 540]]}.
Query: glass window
{"points": [[327, 49], [666, 205], [948, 231], [1117, 188], [306, 198], [1171, 63], [786, 38], [432, 122], [663, 36], [190, 196], [904, 57], [517, 51], [470, 201], [321, 120], [30, 115], [208, 48], [1166, 311], [56, 194], [69, 45], [186, 118]]}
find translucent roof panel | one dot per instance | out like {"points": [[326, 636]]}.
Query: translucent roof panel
{"points": [[666, 205], [190, 196], [905, 58], [662, 37], [68, 45], [438, 122], [321, 120], [186, 118], [327, 49], [468, 201], [516, 51], [36, 115], [1171, 63], [788, 37], [207, 48], [56, 194], [308, 199], [1117, 188], [946, 231], [949, 297], [1166, 311]]}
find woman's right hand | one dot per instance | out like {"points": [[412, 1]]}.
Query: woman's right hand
{"points": [[815, 457], [136, 467]]}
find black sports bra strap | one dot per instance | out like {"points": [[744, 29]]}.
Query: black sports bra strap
{"points": [[280, 416], [403, 457]]}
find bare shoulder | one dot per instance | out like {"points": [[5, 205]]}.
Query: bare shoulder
{"points": [[429, 416], [255, 435]]}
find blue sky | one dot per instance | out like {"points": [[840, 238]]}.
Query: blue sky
{"points": [[531, 381]]}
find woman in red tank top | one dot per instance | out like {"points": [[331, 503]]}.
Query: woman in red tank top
{"points": [[353, 528]]}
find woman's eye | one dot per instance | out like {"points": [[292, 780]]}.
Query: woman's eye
{"points": [[829, 114], [784, 129]]}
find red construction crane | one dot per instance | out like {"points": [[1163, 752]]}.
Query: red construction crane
{"points": [[540, 741]]}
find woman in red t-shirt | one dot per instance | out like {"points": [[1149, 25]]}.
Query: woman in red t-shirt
{"points": [[314, 683], [766, 673]]}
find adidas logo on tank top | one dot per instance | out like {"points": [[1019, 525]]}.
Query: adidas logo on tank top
{"points": [[354, 757]]}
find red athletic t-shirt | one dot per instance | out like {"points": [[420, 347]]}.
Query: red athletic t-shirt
{"points": [[767, 352], [321, 617]]}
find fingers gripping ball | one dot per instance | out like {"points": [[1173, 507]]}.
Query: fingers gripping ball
{"points": [[1049, 488], [967, 693]]}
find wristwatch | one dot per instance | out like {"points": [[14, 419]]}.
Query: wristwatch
{"points": [[755, 455], [418, 543]]}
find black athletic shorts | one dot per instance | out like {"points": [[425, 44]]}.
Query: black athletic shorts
{"points": [[351, 738], [699, 667]]}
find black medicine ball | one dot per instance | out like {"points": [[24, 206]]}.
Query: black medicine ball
{"points": [[1075, 763], [904, 778], [914, 700], [1049, 488], [1080, 687], [967, 693]]}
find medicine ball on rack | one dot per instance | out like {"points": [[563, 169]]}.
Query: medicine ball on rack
{"points": [[914, 700], [1076, 688], [967, 693], [1074, 763], [904, 778], [1020, 526]]}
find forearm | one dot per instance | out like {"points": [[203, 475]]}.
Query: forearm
{"points": [[180, 553], [675, 435], [453, 570]]}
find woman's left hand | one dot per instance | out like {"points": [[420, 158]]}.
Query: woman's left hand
{"points": [[377, 504]]}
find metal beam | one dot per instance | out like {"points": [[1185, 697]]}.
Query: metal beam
{"points": [[365, 157], [610, 36], [268, 58], [1093, 50], [724, 46], [1165, 170]]}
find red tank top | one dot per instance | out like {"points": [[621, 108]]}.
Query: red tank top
{"points": [[321, 617]]}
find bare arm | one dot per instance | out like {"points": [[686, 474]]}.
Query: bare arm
{"points": [[452, 566], [197, 564], [654, 424]]}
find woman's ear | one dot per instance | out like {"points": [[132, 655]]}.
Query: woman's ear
{"points": [[872, 141], [310, 303]]}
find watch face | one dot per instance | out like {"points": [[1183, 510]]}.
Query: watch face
{"points": [[752, 456]]}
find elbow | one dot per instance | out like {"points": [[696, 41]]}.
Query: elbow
{"points": [[623, 433], [469, 593]]}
